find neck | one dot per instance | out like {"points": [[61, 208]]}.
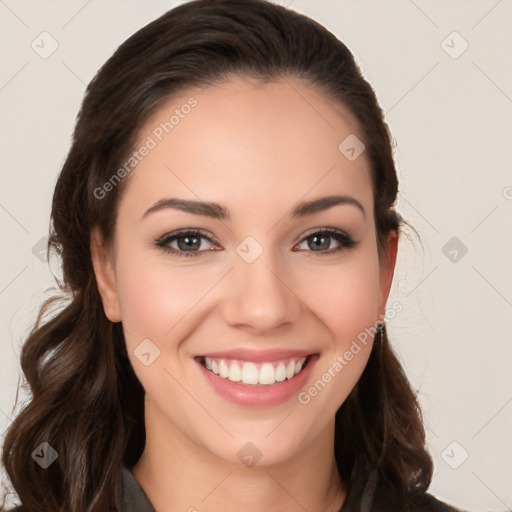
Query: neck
{"points": [[177, 474]]}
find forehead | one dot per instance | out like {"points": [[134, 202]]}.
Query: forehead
{"points": [[249, 145]]}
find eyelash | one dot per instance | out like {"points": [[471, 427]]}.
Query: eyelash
{"points": [[345, 240]]}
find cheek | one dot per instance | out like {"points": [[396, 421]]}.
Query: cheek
{"points": [[155, 301], [154, 297], [345, 296], [346, 303]]}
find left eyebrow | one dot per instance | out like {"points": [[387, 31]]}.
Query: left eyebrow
{"points": [[324, 203], [217, 211]]}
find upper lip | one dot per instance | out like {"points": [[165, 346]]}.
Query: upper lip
{"points": [[244, 354]]}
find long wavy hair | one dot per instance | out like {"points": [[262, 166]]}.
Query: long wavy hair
{"points": [[86, 401]]}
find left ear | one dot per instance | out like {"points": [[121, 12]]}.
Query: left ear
{"points": [[386, 271], [102, 261]]}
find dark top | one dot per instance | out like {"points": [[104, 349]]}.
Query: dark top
{"points": [[135, 500]]}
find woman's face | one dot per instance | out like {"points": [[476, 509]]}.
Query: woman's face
{"points": [[262, 285]]}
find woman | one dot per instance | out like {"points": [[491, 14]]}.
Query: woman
{"points": [[228, 236]]}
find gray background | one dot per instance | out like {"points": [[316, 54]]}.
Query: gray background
{"points": [[450, 112]]}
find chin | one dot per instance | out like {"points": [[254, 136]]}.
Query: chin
{"points": [[259, 450]]}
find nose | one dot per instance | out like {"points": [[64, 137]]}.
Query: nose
{"points": [[260, 296]]}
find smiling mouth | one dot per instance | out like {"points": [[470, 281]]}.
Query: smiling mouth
{"points": [[255, 374]]}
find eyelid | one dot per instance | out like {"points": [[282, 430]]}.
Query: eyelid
{"points": [[186, 231], [321, 230]]}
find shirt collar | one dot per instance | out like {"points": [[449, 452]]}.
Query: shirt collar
{"points": [[134, 498]]}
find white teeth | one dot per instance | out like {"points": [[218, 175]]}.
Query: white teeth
{"points": [[280, 372], [298, 366], [223, 369], [249, 373], [290, 370], [267, 374], [235, 372]]}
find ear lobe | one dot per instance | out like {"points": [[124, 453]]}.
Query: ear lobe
{"points": [[105, 276], [387, 269]]}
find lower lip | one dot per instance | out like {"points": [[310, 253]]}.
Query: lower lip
{"points": [[259, 396]]}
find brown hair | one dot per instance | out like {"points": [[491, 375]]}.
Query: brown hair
{"points": [[86, 401]]}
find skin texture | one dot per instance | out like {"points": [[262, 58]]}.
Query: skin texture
{"points": [[257, 150]]}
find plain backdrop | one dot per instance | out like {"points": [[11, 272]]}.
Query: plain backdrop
{"points": [[442, 71]]}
